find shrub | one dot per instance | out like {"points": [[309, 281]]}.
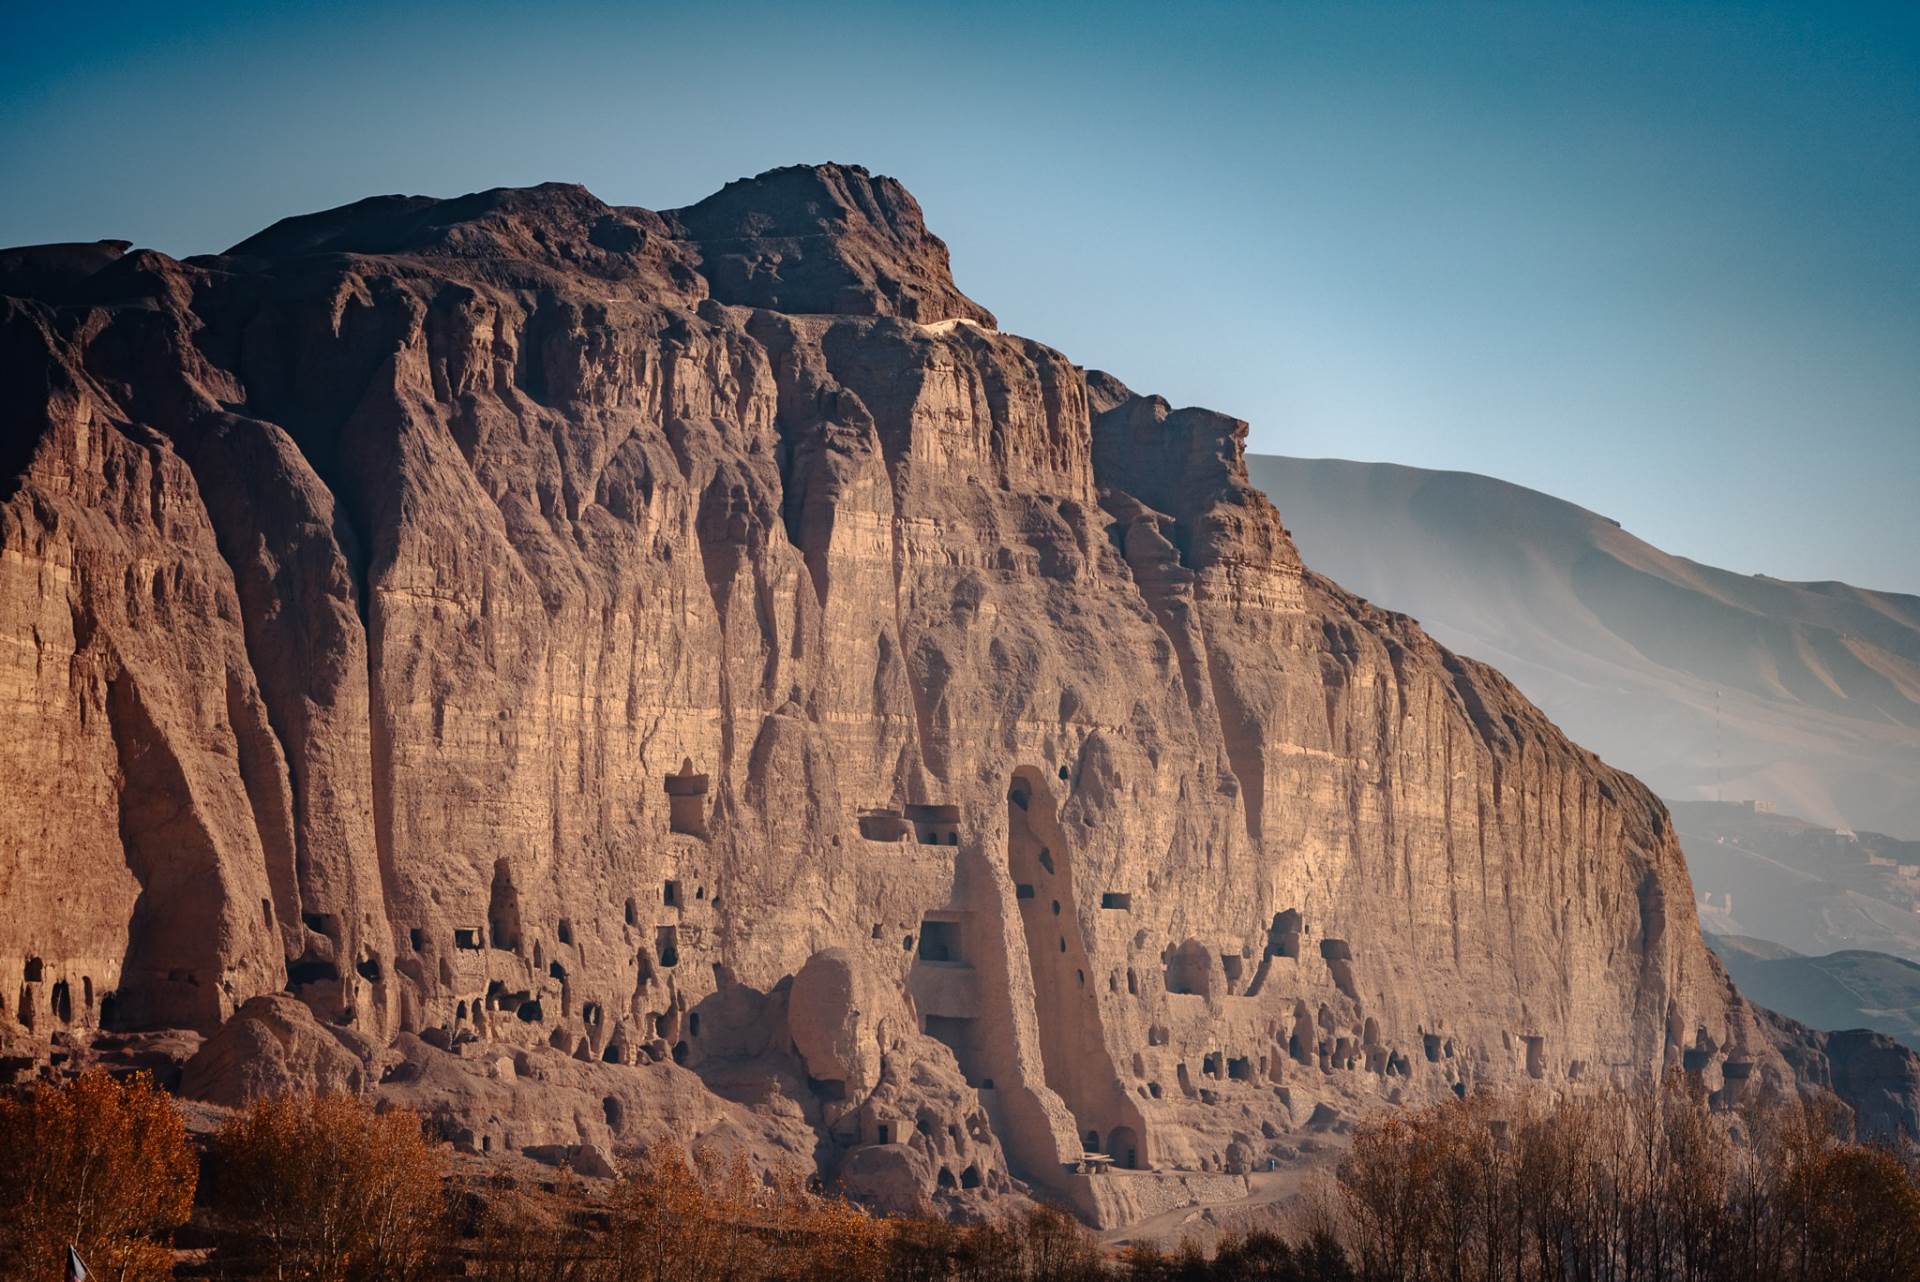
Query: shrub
{"points": [[98, 1163], [521, 1238], [326, 1190], [1255, 1256]]}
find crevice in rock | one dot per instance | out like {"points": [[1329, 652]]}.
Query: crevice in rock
{"points": [[172, 961], [1238, 735], [266, 775]]}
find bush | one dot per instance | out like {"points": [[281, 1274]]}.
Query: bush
{"points": [[1255, 1256], [326, 1190], [674, 1219], [98, 1163], [523, 1238]]}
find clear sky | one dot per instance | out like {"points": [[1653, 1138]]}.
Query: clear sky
{"points": [[1659, 259]]}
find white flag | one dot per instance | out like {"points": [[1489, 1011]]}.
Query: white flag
{"points": [[76, 1271]]}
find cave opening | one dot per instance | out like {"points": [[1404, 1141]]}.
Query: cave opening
{"points": [[687, 801], [940, 941], [503, 909]]}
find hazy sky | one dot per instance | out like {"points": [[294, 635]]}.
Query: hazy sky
{"points": [[1662, 260]]}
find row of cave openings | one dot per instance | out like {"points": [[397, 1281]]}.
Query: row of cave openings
{"points": [[686, 792], [1315, 1041], [946, 1180], [930, 823], [59, 998], [1190, 966], [503, 933]]}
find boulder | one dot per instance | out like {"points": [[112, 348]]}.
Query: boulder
{"points": [[274, 1046], [892, 1179]]}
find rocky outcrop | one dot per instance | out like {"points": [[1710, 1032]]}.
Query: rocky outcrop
{"points": [[823, 239], [274, 1046], [690, 674]]}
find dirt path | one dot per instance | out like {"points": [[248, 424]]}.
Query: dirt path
{"points": [[1266, 1188]]}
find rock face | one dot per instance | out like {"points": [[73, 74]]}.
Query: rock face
{"points": [[274, 1046], [690, 674]]}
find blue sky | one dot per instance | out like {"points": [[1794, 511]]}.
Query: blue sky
{"points": [[1662, 260]]}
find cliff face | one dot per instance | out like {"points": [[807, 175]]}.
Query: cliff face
{"points": [[692, 667]]}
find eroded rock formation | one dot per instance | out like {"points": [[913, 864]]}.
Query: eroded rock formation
{"points": [[689, 673]]}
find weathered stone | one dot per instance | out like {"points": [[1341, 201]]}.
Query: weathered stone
{"points": [[889, 1178], [362, 590], [274, 1046], [834, 1009]]}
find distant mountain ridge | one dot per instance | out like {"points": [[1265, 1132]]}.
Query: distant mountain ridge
{"points": [[1705, 683], [1850, 989]]}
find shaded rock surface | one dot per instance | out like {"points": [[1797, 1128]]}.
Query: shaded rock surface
{"points": [[688, 674]]}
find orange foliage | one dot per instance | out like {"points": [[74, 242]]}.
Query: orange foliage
{"points": [[676, 1221], [326, 1190], [98, 1163], [1626, 1186]]}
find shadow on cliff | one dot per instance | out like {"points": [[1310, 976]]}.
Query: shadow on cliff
{"points": [[23, 397], [174, 930], [739, 1047]]}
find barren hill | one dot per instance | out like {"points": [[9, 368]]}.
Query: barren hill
{"points": [[1856, 988], [595, 674], [1706, 684], [1798, 884]]}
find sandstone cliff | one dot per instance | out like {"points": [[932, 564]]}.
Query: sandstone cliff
{"points": [[630, 672]]}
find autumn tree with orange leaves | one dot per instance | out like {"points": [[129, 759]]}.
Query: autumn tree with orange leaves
{"points": [[98, 1164], [327, 1190]]}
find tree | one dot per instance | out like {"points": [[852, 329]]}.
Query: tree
{"points": [[1855, 1213], [666, 1226], [1651, 1185], [326, 1190], [521, 1238], [98, 1163], [1058, 1248]]}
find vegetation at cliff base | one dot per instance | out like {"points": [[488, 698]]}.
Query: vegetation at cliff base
{"points": [[1609, 1186], [97, 1164]]}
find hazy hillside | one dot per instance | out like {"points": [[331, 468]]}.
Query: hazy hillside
{"points": [[1809, 888], [1852, 989], [1706, 684]]}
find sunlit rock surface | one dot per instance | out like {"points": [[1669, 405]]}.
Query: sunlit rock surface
{"points": [[636, 675]]}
